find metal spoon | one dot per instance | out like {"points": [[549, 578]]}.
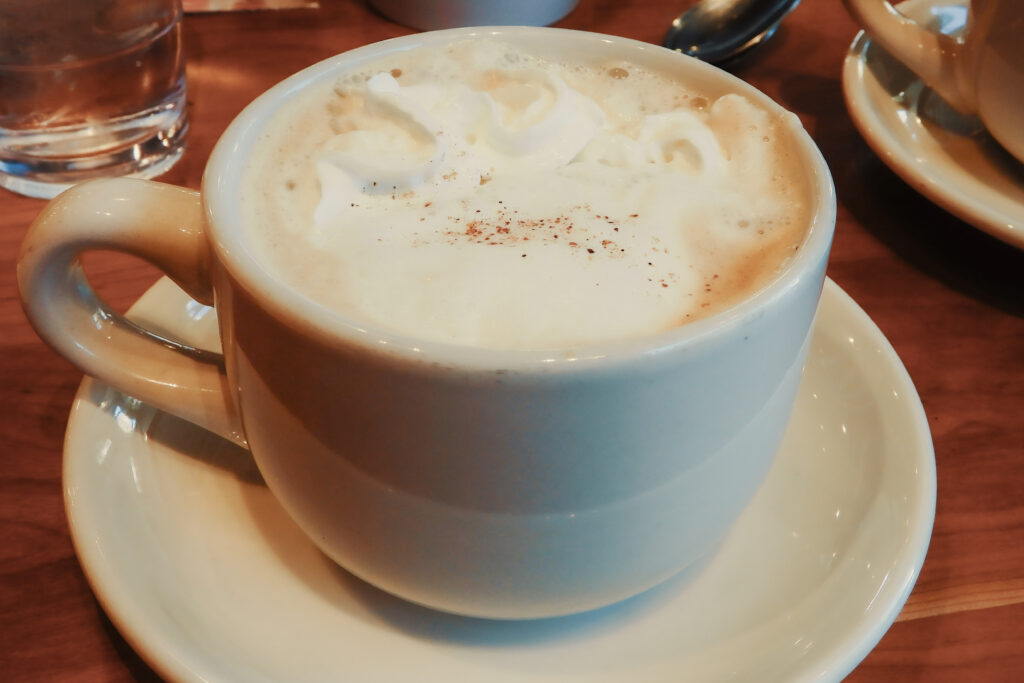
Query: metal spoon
{"points": [[717, 31]]}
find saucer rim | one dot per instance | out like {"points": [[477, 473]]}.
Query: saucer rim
{"points": [[896, 156], [844, 655]]}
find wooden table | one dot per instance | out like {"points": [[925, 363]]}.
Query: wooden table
{"points": [[949, 298]]}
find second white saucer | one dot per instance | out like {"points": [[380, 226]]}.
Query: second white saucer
{"points": [[209, 580], [944, 156]]}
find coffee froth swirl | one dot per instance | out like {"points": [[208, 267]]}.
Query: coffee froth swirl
{"points": [[527, 119], [484, 196], [399, 139]]}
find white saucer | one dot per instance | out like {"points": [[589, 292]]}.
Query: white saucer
{"points": [[944, 156], [208, 580]]}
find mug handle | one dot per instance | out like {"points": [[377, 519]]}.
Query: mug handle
{"points": [[935, 57], [162, 224]]}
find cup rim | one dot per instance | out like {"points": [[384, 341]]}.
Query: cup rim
{"points": [[222, 182]]}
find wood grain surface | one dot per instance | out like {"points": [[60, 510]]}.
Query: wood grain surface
{"points": [[948, 297]]}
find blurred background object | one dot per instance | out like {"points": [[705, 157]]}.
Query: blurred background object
{"points": [[434, 14]]}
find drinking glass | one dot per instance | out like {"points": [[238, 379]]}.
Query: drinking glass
{"points": [[89, 88]]}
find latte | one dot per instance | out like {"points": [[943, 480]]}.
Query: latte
{"points": [[479, 195]]}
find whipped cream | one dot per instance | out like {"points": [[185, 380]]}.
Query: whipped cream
{"points": [[482, 196]]}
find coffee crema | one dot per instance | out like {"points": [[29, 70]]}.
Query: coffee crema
{"points": [[479, 195]]}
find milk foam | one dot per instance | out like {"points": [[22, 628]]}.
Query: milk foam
{"points": [[482, 196]]}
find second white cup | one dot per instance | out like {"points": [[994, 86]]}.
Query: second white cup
{"points": [[980, 72]]}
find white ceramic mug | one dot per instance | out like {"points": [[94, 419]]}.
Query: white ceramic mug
{"points": [[980, 72], [510, 484], [429, 15]]}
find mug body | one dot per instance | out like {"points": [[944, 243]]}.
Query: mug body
{"points": [[510, 484], [997, 60]]}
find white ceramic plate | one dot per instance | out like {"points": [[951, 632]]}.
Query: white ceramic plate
{"points": [[944, 156], [209, 580]]}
